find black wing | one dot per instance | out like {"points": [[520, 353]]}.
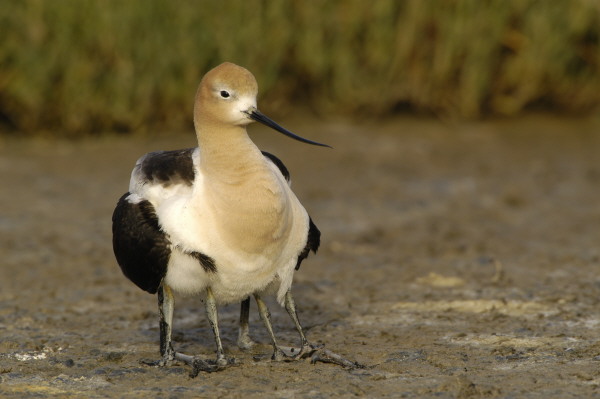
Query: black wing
{"points": [[141, 248], [169, 167], [312, 244], [284, 171]]}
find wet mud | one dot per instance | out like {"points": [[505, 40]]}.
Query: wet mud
{"points": [[457, 261]]}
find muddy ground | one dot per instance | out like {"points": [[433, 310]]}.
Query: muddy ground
{"points": [[456, 261]]}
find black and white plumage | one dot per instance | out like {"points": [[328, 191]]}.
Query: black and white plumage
{"points": [[219, 221], [141, 247]]}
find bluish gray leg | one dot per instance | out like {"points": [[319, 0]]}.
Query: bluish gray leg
{"points": [[244, 341], [166, 303], [316, 353], [211, 313], [290, 307], [265, 315]]}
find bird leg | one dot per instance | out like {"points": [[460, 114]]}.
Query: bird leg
{"points": [[244, 341], [307, 350], [265, 315], [221, 362], [211, 312], [198, 364], [316, 353], [290, 307], [166, 304]]}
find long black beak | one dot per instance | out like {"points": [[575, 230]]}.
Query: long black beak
{"points": [[262, 118]]}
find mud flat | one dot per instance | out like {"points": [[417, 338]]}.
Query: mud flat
{"points": [[457, 261]]}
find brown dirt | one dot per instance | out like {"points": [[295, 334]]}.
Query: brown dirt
{"points": [[457, 261]]}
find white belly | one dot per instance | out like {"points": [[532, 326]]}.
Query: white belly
{"points": [[232, 282]]}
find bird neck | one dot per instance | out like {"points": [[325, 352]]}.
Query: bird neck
{"points": [[246, 198], [227, 154]]}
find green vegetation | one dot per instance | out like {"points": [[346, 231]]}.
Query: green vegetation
{"points": [[80, 66]]}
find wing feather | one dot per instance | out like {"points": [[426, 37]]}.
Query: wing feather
{"points": [[142, 249]]}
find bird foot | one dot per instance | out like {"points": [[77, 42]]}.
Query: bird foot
{"points": [[197, 363], [316, 353], [245, 343], [320, 354], [166, 359], [293, 353], [206, 365], [210, 366]]}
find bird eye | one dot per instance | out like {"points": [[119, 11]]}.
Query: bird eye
{"points": [[224, 94]]}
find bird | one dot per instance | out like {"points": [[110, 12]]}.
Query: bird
{"points": [[218, 221]]}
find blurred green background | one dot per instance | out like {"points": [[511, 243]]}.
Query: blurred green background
{"points": [[73, 67]]}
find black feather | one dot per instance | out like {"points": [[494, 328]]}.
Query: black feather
{"points": [[207, 263], [169, 167], [284, 171], [312, 243], [141, 248], [177, 166]]}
